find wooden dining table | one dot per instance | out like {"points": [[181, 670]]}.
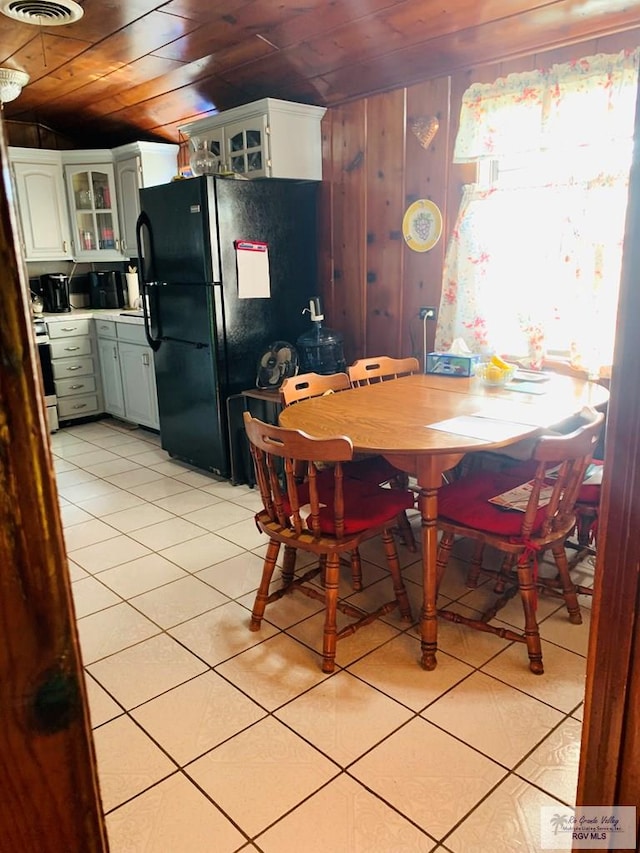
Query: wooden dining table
{"points": [[412, 422]]}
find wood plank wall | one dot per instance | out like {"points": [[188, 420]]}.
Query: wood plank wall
{"points": [[372, 284]]}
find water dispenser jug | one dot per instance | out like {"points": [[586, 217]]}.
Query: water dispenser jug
{"points": [[320, 350]]}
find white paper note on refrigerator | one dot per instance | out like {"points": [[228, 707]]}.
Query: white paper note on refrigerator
{"points": [[253, 270]]}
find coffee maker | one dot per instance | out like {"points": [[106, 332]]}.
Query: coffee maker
{"points": [[55, 292]]}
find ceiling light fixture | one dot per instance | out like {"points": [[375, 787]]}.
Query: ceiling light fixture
{"points": [[47, 13], [11, 83]]}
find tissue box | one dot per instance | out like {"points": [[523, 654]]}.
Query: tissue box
{"points": [[452, 365]]}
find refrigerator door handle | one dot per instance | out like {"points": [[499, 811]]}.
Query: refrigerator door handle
{"points": [[143, 221]]}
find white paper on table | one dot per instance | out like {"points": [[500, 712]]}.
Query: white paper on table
{"points": [[525, 387], [513, 413], [253, 269], [471, 426]]}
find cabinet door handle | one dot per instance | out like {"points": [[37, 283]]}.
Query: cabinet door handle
{"points": [[75, 387], [145, 359], [115, 353], [71, 349], [75, 367], [80, 406], [64, 246], [69, 328], [118, 244]]}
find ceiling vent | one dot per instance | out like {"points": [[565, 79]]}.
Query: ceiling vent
{"points": [[46, 13]]}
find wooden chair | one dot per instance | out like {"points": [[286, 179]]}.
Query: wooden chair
{"points": [[326, 516], [369, 371], [303, 387], [372, 469], [307, 385], [464, 509], [585, 536]]}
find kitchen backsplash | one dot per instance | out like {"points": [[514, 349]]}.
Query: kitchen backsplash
{"points": [[78, 276]]}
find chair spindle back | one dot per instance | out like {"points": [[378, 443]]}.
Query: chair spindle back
{"points": [[307, 385], [571, 453], [368, 371], [296, 505]]}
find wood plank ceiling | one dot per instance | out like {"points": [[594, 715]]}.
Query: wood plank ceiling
{"points": [[138, 69]]}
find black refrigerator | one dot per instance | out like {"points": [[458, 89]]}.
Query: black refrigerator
{"points": [[206, 327]]}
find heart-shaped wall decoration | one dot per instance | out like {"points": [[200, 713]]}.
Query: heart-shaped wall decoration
{"points": [[424, 129]]}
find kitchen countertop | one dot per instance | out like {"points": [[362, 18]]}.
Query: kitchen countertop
{"points": [[114, 314]]}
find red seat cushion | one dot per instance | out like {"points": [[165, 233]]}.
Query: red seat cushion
{"points": [[590, 494], [365, 506], [466, 502]]}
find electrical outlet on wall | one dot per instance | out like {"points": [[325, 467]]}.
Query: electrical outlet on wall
{"points": [[428, 312]]}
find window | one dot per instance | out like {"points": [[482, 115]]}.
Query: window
{"points": [[533, 265]]}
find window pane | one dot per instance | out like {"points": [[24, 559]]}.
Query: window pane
{"points": [[236, 143]]}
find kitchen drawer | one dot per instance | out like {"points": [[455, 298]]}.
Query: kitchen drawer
{"points": [[68, 328], [133, 333], [70, 367], [73, 407], [70, 347], [106, 328], [77, 385]]}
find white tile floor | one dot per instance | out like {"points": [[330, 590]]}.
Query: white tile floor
{"points": [[213, 738]]}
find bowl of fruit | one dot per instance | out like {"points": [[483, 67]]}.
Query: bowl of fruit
{"points": [[496, 372]]}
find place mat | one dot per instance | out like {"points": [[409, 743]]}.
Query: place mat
{"points": [[525, 387], [471, 426]]}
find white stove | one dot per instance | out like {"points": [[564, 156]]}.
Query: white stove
{"points": [[46, 370], [40, 330]]}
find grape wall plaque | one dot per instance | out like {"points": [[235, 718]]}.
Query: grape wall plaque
{"points": [[422, 225]]}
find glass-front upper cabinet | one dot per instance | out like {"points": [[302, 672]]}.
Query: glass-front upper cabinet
{"points": [[268, 138], [247, 147], [92, 198]]}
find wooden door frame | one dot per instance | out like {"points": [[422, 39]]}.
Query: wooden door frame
{"points": [[610, 756], [50, 797]]}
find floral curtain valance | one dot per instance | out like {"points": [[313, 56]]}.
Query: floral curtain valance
{"points": [[587, 102]]}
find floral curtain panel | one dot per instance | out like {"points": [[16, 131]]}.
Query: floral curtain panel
{"points": [[534, 262]]}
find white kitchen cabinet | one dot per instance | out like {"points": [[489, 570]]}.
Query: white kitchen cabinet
{"points": [[267, 138], [111, 377], [127, 372], [139, 384], [73, 359], [41, 204], [91, 193], [138, 165]]}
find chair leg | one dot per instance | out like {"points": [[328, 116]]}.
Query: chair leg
{"points": [[262, 595], [288, 564], [329, 639], [444, 552], [586, 517], [505, 574], [322, 563], [356, 570], [401, 481], [568, 588], [531, 631], [476, 565], [406, 532], [396, 576]]}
